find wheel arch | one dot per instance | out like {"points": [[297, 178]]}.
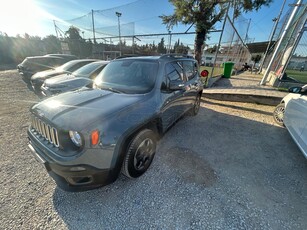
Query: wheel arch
{"points": [[154, 124]]}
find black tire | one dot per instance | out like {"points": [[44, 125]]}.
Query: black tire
{"points": [[140, 153], [194, 111], [278, 114]]}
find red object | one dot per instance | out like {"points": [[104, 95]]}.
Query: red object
{"points": [[204, 73], [95, 137]]}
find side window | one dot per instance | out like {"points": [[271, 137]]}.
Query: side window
{"points": [[174, 71], [190, 69], [77, 66]]}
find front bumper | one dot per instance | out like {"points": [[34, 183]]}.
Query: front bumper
{"points": [[74, 178], [74, 175], [36, 86]]}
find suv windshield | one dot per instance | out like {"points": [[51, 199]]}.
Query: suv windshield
{"points": [[128, 76]]}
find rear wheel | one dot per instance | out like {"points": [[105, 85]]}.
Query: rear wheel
{"points": [[278, 114], [140, 153]]}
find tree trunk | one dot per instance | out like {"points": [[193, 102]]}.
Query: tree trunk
{"points": [[198, 46]]}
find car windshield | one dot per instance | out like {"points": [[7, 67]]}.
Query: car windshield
{"points": [[84, 71], [128, 76], [67, 66]]}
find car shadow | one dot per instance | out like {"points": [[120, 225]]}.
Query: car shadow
{"points": [[210, 168], [236, 107]]}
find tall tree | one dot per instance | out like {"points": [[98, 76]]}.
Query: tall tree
{"points": [[161, 47], [203, 14], [73, 33], [74, 40]]}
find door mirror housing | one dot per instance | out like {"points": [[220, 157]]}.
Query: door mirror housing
{"points": [[176, 85]]}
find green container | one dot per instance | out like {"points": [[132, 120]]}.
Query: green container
{"points": [[228, 69]]}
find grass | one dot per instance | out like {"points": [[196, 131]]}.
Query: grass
{"points": [[297, 75]]}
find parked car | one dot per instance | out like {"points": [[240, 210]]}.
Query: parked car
{"points": [[38, 79], [77, 79], [32, 65], [279, 110], [85, 138], [295, 117]]}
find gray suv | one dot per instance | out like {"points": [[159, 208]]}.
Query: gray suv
{"points": [[85, 138]]}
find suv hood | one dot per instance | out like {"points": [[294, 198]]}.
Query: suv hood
{"points": [[45, 74], [76, 110]]}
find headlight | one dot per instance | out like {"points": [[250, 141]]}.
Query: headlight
{"points": [[76, 138]]}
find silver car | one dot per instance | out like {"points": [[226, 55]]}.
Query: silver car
{"points": [[295, 117]]}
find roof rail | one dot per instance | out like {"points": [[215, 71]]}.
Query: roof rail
{"points": [[127, 55], [176, 55]]}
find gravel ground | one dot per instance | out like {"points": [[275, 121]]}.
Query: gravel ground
{"points": [[230, 167]]}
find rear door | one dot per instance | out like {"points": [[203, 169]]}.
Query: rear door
{"points": [[192, 82]]}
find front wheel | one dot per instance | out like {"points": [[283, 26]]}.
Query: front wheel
{"points": [[278, 114], [140, 154]]}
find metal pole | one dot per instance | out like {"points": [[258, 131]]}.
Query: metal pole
{"points": [[118, 14], [265, 76], [272, 35], [169, 42], [133, 44], [220, 39], [93, 23], [55, 27], [287, 44], [296, 41]]}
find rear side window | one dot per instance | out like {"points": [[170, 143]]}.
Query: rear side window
{"points": [[190, 69], [174, 71]]}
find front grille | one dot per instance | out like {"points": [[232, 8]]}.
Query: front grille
{"points": [[46, 131]]}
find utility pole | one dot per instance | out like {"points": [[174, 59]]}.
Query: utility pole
{"points": [[118, 14], [267, 71]]}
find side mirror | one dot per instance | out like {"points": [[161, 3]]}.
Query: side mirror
{"points": [[176, 85], [295, 89]]}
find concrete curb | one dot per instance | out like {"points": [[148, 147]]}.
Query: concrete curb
{"points": [[250, 98]]}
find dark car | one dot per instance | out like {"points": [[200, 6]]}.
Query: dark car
{"points": [[85, 138], [38, 79], [77, 79], [32, 65]]}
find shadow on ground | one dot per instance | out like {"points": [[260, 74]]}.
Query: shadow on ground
{"points": [[210, 171]]}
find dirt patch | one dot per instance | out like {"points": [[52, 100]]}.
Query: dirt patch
{"points": [[190, 166]]}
